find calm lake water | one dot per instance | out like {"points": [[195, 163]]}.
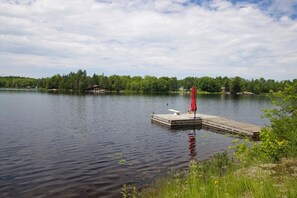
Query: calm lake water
{"points": [[54, 145]]}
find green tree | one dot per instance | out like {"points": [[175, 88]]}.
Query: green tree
{"points": [[173, 84], [17, 82], [53, 82], [209, 84], [81, 80], [188, 82], [116, 83], [149, 84], [105, 83], [162, 84], [95, 80], [134, 84], [235, 85]]}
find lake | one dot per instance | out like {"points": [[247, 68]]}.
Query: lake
{"points": [[58, 145]]}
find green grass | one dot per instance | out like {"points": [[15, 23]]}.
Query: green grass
{"points": [[222, 177]]}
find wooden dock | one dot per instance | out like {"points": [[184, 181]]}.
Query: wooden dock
{"points": [[208, 122], [177, 121]]}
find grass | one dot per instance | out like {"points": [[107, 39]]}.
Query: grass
{"points": [[222, 177]]}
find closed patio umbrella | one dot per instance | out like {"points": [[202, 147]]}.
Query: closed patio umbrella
{"points": [[193, 101]]}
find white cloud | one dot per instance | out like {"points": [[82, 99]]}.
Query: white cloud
{"points": [[162, 38], [283, 7]]}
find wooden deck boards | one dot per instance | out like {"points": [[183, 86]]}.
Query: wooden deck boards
{"points": [[208, 122], [176, 121]]}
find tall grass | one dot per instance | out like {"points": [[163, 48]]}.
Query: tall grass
{"points": [[221, 177]]}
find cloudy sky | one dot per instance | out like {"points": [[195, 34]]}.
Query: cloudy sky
{"points": [[247, 38]]}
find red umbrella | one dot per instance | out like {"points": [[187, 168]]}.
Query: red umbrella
{"points": [[193, 101]]}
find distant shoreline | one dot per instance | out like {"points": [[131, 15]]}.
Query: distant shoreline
{"points": [[80, 82], [120, 92]]}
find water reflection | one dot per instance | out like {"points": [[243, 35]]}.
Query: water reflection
{"points": [[192, 143]]}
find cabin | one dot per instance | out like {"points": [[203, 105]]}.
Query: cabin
{"points": [[95, 89]]}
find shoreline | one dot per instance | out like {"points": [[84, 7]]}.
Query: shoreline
{"points": [[126, 92]]}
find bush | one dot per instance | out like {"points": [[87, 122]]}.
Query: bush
{"points": [[280, 140]]}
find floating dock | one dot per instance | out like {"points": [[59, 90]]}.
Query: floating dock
{"points": [[208, 122], [177, 120]]}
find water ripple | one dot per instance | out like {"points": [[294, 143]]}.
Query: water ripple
{"points": [[89, 146]]}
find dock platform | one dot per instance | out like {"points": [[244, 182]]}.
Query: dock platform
{"points": [[177, 120], [207, 122]]}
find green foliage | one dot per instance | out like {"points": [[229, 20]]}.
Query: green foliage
{"points": [[209, 179], [79, 81], [188, 82], [209, 84], [200, 175], [129, 191], [236, 85], [173, 84], [272, 145], [122, 161], [248, 152], [17, 82], [149, 84], [218, 165], [280, 139], [124, 191], [116, 83]]}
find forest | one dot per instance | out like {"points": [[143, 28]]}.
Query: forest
{"points": [[80, 82]]}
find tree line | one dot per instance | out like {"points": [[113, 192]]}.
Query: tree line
{"points": [[79, 81], [17, 82]]}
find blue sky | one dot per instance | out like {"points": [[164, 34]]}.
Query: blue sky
{"points": [[247, 38]]}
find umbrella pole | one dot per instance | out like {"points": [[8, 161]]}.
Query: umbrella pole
{"points": [[194, 115]]}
